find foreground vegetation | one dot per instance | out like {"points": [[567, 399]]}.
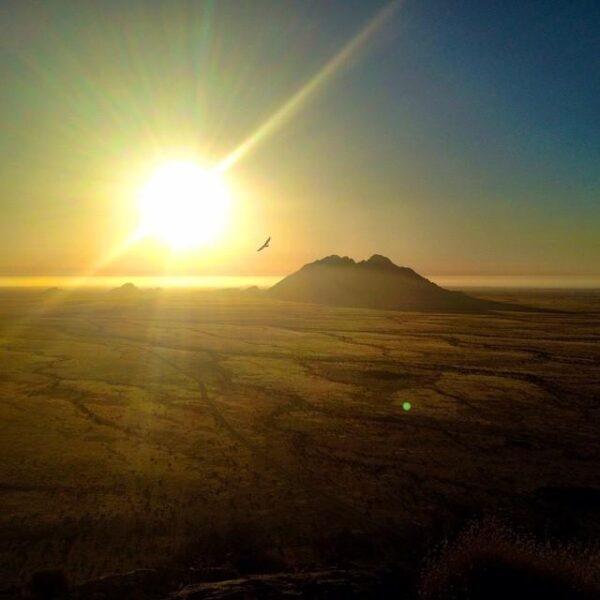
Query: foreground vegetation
{"points": [[141, 428]]}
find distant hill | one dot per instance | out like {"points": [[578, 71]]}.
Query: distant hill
{"points": [[126, 289], [374, 283]]}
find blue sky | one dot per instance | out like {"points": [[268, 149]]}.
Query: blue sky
{"points": [[463, 138]]}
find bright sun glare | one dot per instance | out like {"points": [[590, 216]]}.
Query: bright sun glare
{"points": [[184, 205]]}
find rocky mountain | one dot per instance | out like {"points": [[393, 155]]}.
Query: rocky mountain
{"points": [[373, 283]]}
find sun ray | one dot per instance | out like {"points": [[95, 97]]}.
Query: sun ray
{"points": [[337, 62]]}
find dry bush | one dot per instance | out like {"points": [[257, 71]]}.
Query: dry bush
{"points": [[489, 560]]}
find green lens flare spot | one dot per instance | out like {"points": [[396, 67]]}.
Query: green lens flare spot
{"points": [[406, 406]]}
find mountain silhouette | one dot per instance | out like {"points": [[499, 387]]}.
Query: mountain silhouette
{"points": [[374, 283], [127, 289]]}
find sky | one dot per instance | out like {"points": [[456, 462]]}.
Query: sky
{"points": [[454, 137]]}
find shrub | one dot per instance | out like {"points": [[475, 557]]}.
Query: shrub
{"points": [[490, 561]]}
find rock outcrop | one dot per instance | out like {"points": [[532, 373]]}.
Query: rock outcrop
{"points": [[374, 283]]}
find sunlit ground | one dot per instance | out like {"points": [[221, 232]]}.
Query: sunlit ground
{"points": [[143, 427]]}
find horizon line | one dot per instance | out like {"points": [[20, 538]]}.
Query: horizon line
{"points": [[539, 281]]}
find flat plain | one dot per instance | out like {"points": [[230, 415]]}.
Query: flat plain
{"points": [[142, 427]]}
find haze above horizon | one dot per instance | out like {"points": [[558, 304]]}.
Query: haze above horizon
{"points": [[216, 282]]}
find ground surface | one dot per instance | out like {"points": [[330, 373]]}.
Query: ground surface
{"points": [[138, 426]]}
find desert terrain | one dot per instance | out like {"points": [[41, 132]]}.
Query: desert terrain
{"points": [[146, 427]]}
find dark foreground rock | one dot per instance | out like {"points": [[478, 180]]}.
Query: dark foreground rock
{"points": [[148, 584], [141, 584], [320, 584], [221, 584]]}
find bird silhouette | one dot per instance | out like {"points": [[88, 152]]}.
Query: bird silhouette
{"points": [[265, 245]]}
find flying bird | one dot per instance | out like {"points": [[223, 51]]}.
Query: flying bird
{"points": [[265, 245]]}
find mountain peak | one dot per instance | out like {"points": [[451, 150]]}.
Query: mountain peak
{"points": [[380, 260], [335, 260]]}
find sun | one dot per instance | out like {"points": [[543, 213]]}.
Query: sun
{"points": [[184, 205]]}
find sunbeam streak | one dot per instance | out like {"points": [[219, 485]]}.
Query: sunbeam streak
{"points": [[337, 62]]}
